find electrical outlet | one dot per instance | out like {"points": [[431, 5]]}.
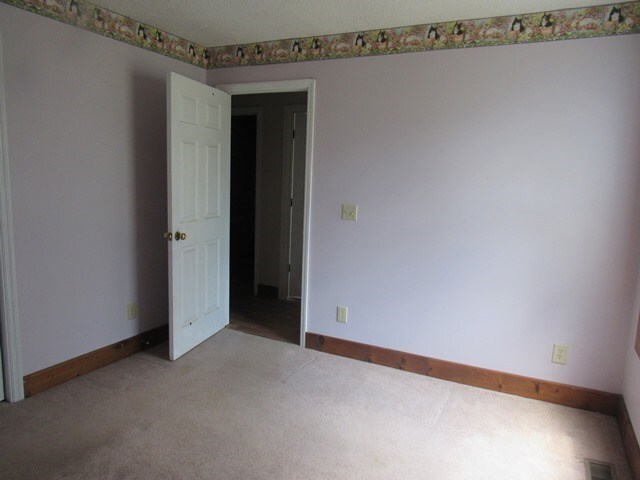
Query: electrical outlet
{"points": [[560, 354], [350, 212], [342, 315], [132, 311]]}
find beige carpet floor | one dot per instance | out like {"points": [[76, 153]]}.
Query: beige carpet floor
{"points": [[244, 407]]}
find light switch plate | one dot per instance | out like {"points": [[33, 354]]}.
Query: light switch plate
{"points": [[349, 212]]}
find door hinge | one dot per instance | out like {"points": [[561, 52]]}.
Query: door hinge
{"points": [[289, 267], [294, 134], [292, 202]]}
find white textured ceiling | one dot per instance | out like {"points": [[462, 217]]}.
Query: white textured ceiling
{"points": [[214, 23]]}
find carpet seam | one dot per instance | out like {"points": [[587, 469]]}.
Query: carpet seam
{"points": [[298, 369], [436, 419]]}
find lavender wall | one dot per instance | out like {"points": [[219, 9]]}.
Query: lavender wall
{"points": [[497, 192], [86, 136]]}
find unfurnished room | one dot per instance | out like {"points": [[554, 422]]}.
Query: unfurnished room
{"points": [[320, 239]]}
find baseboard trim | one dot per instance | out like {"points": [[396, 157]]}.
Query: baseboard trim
{"points": [[567, 395], [629, 440], [62, 372], [267, 291]]}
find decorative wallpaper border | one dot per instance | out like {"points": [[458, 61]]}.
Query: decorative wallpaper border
{"points": [[615, 19], [88, 16], [605, 20]]}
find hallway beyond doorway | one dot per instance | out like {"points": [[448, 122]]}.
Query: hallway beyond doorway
{"points": [[266, 317]]}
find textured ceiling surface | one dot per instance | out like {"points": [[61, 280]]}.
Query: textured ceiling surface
{"points": [[228, 22]]}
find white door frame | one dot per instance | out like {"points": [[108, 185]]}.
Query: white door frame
{"points": [[308, 86], [10, 325], [285, 201], [257, 112]]}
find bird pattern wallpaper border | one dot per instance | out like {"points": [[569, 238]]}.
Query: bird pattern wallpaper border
{"points": [[99, 20], [616, 19], [605, 20]]}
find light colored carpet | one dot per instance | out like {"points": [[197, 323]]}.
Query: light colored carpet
{"points": [[245, 407]]}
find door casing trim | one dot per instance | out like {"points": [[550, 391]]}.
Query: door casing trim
{"points": [[10, 320], [309, 86]]}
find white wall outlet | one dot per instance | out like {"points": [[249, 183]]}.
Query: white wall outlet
{"points": [[342, 316], [350, 212], [560, 354], [132, 311]]}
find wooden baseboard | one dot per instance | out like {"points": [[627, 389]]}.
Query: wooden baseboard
{"points": [[576, 397], [267, 291], [50, 377], [629, 440]]}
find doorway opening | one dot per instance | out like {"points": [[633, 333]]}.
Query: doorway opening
{"points": [[268, 158], [10, 360]]}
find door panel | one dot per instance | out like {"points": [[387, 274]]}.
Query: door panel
{"points": [[188, 184], [199, 123], [212, 264], [189, 297], [213, 181]]}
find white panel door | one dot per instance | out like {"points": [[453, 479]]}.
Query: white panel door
{"points": [[199, 138], [297, 205]]}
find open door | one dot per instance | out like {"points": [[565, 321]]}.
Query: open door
{"points": [[199, 137]]}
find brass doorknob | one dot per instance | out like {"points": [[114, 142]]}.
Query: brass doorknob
{"points": [[168, 236], [181, 235]]}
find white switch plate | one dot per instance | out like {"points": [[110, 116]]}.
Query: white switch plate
{"points": [[132, 311], [349, 212], [560, 354], [343, 313]]}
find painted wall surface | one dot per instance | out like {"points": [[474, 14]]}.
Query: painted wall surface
{"points": [[87, 150], [631, 386], [497, 191], [270, 176]]}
